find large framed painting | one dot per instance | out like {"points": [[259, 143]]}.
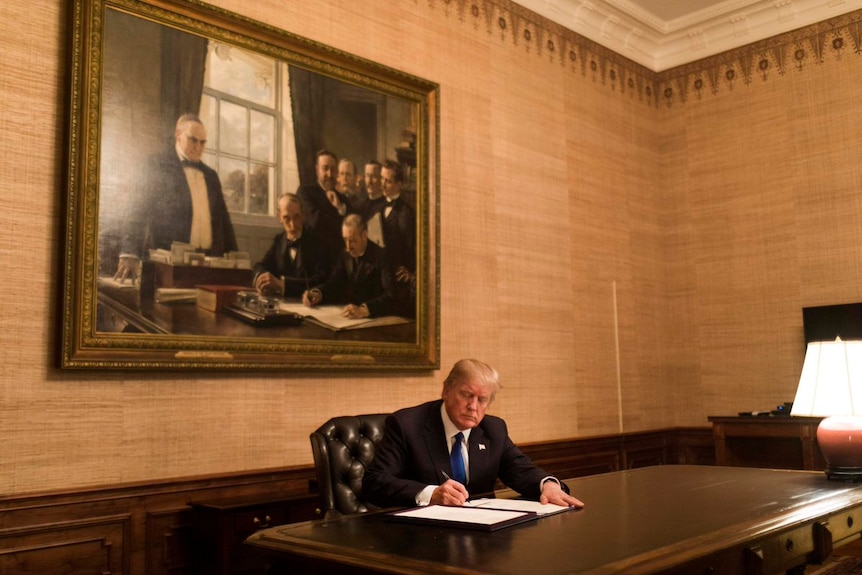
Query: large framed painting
{"points": [[240, 197]]}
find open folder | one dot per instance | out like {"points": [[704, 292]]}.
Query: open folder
{"points": [[482, 514]]}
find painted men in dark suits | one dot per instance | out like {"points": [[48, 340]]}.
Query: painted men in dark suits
{"points": [[323, 207], [178, 198], [296, 260], [413, 464], [362, 278], [398, 223]]}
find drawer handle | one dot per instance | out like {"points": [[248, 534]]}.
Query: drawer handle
{"points": [[264, 524]]}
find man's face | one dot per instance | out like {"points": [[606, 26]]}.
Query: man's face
{"points": [[346, 176], [372, 180], [466, 401], [326, 170], [354, 240], [290, 215], [391, 188], [191, 139]]}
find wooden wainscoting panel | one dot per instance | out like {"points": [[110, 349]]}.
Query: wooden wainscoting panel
{"points": [[156, 519], [693, 446], [645, 449], [98, 545], [170, 541], [606, 453], [577, 457]]}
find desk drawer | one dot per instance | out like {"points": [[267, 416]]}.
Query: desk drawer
{"points": [[780, 552], [845, 525], [247, 522]]}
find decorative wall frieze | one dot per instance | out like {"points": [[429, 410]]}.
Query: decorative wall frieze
{"points": [[792, 52]]}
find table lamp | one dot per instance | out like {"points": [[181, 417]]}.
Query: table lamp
{"points": [[831, 386]]}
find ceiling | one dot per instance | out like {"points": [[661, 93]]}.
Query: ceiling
{"points": [[663, 34]]}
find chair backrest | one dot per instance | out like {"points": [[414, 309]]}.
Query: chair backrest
{"points": [[342, 448]]}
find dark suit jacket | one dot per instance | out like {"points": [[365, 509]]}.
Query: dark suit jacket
{"points": [[399, 235], [371, 284], [413, 454], [322, 217], [310, 268], [161, 211], [399, 231]]}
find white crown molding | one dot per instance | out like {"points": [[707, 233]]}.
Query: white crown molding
{"points": [[629, 29]]}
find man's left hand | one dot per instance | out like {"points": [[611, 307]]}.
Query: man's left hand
{"points": [[552, 493], [402, 274], [355, 311], [266, 283]]}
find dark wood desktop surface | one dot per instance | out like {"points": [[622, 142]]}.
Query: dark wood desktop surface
{"points": [[664, 519]]}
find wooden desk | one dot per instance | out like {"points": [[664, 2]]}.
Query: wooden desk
{"points": [[779, 442], [664, 519]]}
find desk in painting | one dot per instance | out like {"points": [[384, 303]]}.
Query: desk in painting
{"points": [[135, 308], [664, 519]]}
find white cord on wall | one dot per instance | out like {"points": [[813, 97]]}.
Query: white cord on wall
{"points": [[617, 352]]}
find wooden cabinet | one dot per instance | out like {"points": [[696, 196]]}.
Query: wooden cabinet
{"points": [[778, 442], [222, 525]]}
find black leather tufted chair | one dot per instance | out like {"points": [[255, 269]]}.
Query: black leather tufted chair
{"points": [[343, 447]]}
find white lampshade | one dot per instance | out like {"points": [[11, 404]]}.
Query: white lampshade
{"points": [[831, 380], [831, 386]]}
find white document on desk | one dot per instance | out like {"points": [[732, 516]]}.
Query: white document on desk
{"points": [[517, 505], [330, 317], [461, 514]]}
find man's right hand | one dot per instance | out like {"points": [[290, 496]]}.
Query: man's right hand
{"points": [[450, 493], [311, 297], [127, 268], [336, 202]]}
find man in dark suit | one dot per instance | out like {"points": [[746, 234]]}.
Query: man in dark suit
{"points": [[347, 185], [296, 259], [398, 224], [178, 198], [373, 187], [323, 207], [361, 279], [418, 459]]}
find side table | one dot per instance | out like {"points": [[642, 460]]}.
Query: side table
{"points": [[775, 441]]}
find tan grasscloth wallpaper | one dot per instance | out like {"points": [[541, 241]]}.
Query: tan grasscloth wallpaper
{"points": [[632, 251]]}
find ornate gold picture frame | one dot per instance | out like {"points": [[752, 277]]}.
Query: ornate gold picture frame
{"points": [[149, 76]]}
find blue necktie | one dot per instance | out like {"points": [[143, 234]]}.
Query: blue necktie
{"points": [[459, 474]]}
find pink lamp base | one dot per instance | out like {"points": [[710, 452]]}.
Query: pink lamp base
{"points": [[840, 441]]}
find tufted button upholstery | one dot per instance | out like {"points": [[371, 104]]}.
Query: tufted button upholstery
{"points": [[342, 448]]}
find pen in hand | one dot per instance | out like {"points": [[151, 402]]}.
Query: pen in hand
{"points": [[446, 475], [459, 497]]}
